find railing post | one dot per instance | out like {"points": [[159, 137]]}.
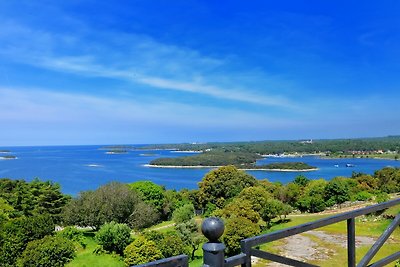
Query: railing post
{"points": [[245, 250], [213, 250], [351, 242]]}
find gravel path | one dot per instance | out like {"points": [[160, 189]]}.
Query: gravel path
{"points": [[302, 248]]}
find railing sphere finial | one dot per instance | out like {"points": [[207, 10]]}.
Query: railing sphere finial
{"points": [[212, 228]]}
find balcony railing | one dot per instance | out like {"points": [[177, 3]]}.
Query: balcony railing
{"points": [[213, 229]]}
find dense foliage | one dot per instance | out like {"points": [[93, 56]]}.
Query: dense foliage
{"points": [[141, 251], [287, 166], [34, 198], [223, 184], [114, 237], [391, 143], [47, 252], [16, 233], [111, 202], [247, 205]]}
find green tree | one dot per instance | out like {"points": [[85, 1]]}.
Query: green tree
{"points": [[239, 208], [111, 202], [301, 180], [337, 190], [190, 235], [150, 193], [272, 209], [114, 237], [51, 251], [183, 214], [389, 179], [238, 228], [223, 184], [32, 198], [141, 251], [143, 215]]}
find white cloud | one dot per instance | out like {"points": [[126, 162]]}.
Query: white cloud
{"points": [[134, 58]]}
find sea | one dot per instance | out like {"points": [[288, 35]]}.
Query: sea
{"points": [[81, 168]]}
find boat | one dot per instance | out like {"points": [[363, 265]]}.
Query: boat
{"points": [[350, 165], [336, 165]]}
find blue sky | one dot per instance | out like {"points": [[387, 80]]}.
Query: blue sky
{"points": [[119, 72]]}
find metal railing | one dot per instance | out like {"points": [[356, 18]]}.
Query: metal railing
{"points": [[213, 229]]}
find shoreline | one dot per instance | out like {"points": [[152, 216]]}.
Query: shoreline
{"points": [[245, 169]]}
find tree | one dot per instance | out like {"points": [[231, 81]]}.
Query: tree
{"points": [[239, 208], [190, 235], [111, 202], [223, 184], [51, 251], [272, 209], [389, 179], [337, 190], [150, 193], [313, 197], [237, 229], [183, 214], [301, 180], [143, 215], [258, 196], [141, 251], [114, 237], [32, 198]]}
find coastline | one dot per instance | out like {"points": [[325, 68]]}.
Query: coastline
{"points": [[245, 169]]}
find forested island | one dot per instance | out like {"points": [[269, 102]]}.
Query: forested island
{"points": [[244, 155]]}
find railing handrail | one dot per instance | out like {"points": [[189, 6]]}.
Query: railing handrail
{"points": [[298, 229], [213, 229]]}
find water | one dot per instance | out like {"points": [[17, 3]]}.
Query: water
{"points": [[79, 168]]}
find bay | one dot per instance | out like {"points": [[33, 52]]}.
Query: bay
{"points": [[80, 168]]}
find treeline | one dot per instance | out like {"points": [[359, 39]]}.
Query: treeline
{"points": [[391, 143], [29, 212]]}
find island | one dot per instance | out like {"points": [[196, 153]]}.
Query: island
{"points": [[8, 157], [218, 158]]}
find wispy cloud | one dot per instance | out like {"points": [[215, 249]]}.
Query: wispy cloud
{"points": [[134, 58]]}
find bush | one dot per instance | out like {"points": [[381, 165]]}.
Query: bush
{"points": [[141, 251], [183, 214], [73, 234], [15, 235], [47, 252], [237, 229], [114, 237], [363, 196]]}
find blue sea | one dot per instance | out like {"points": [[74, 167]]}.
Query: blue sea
{"points": [[79, 168]]}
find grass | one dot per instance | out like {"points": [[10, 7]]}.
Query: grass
{"points": [[86, 258]]}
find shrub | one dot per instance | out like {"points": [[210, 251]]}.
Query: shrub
{"points": [[237, 229], [141, 251], [183, 214], [114, 237], [51, 251], [15, 235], [73, 234], [363, 196]]}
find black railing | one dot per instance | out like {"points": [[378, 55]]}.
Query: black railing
{"points": [[213, 229]]}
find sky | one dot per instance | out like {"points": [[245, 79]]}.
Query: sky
{"points": [[138, 72]]}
